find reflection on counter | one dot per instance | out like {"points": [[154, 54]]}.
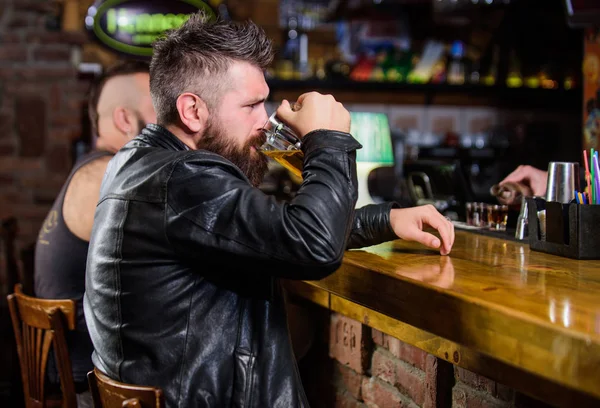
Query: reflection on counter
{"points": [[564, 314], [440, 275]]}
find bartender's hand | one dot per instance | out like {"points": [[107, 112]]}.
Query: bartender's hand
{"points": [[314, 111], [408, 224], [531, 177]]}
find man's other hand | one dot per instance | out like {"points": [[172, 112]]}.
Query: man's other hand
{"points": [[408, 224]]}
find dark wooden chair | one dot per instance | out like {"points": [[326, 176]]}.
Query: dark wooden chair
{"points": [[39, 324], [109, 393]]}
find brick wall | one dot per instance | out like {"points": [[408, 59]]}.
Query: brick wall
{"points": [[40, 110], [353, 365]]}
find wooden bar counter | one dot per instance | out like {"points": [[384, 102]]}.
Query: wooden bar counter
{"points": [[524, 318]]}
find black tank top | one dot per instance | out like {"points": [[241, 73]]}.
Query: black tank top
{"points": [[60, 261]]}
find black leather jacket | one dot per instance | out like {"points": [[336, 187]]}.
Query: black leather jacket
{"points": [[181, 284]]}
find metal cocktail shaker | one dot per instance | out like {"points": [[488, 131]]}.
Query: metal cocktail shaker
{"points": [[563, 181]]}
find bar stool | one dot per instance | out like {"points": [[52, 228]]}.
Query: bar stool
{"points": [[39, 324], [109, 393]]}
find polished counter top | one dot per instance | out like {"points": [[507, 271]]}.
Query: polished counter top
{"points": [[531, 310]]}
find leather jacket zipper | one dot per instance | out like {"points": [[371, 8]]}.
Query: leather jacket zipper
{"points": [[250, 387]]}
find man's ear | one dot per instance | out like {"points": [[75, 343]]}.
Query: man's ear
{"points": [[193, 112], [125, 121]]}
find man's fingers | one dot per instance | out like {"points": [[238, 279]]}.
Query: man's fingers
{"points": [[517, 175], [284, 111], [408, 224], [443, 226], [426, 238], [302, 97], [512, 176]]}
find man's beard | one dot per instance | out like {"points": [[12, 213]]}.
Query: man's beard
{"points": [[254, 165]]}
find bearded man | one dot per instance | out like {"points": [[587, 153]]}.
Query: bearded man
{"points": [[182, 288]]}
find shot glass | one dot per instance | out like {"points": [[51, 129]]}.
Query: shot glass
{"points": [[502, 219], [469, 213], [476, 214], [491, 214], [497, 216], [483, 218]]}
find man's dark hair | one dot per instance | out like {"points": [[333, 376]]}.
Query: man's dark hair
{"points": [[129, 67], [195, 58]]}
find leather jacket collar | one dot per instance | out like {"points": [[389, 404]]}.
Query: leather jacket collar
{"points": [[156, 135]]}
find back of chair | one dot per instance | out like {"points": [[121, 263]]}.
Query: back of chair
{"points": [[39, 324], [109, 393]]}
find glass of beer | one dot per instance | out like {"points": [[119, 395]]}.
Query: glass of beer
{"points": [[283, 145]]}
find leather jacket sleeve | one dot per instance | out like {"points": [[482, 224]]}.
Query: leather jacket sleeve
{"points": [[214, 214], [371, 226]]}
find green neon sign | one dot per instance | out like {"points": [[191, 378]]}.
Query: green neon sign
{"points": [[131, 26]]}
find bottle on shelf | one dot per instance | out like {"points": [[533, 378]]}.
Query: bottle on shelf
{"points": [[378, 73], [398, 66], [295, 52], [286, 65], [491, 75], [569, 81], [475, 75], [423, 65], [547, 80], [302, 65], [337, 68], [531, 77], [514, 77], [319, 69], [456, 68], [439, 71]]}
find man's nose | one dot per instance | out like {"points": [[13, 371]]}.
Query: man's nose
{"points": [[264, 117]]}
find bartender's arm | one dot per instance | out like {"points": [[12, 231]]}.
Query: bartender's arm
{"points": [[535, 179]]}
